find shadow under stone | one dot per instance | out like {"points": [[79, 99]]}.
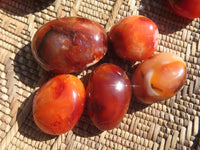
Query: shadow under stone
{"points": [[24, 7]]}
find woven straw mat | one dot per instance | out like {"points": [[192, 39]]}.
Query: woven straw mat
{"points": [[172, 124]]}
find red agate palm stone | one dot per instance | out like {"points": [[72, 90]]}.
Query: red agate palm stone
{"points": [[108, 96], [69, 44]]}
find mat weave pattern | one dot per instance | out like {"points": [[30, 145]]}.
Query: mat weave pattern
{"points": [[172, 124]]}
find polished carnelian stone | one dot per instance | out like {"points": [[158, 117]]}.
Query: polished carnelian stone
{"points": [[134, 38], [158, 78], [58, 104], [185, 8], [69, 44], [108, 96]]}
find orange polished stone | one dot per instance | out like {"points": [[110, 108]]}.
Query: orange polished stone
{"points": [[108, 96], [134, 38], [58, 104], [158, 78], [69, 44], [185, 8]]}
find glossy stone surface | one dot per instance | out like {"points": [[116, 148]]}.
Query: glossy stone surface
{"points": [[158, 78], [69, 44], [134, 38], [58, 104], [185, 8], [108, 96]]}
